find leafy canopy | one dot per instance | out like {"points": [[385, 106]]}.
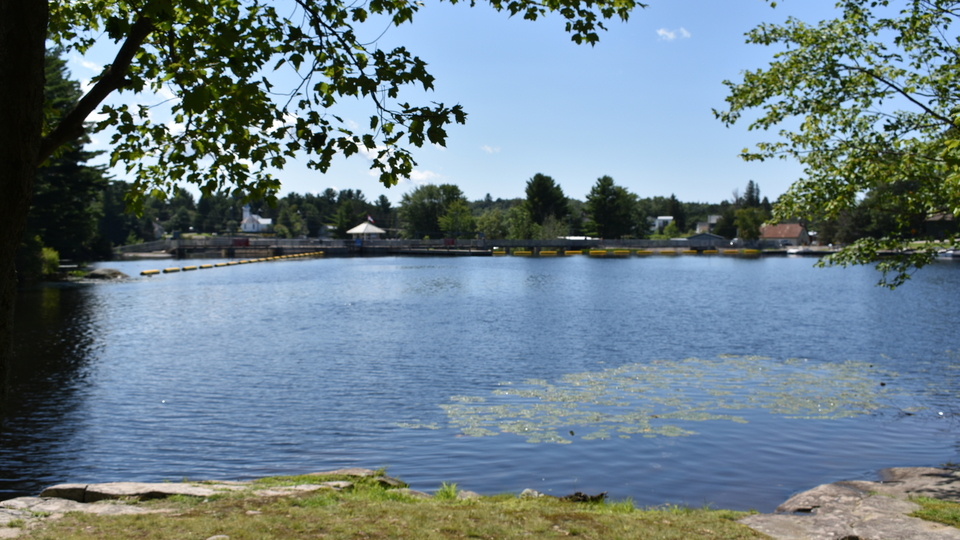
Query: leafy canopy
{"points": [[222, 59], [872, 100]]}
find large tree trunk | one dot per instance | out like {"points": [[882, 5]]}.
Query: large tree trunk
{"points": [[23, 33]]}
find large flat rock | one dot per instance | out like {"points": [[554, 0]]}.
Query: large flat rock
{"points": [[88, 493], [858, 510]]}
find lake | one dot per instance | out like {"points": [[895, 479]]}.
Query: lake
{"points": [[687, 380]]}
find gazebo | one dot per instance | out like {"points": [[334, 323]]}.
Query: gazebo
{"points": [[366, 231]]}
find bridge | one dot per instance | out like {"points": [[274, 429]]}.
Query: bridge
{"points": [[254, 247]]}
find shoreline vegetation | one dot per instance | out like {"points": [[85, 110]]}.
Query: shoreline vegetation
{"points": [[359, 503], [362, 503]]}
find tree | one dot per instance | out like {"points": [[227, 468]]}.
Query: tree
{"points": [[875, 92], [420, 209], [676, 211], [748, 221], [492, 224], [457, 221], [66, 207], [520, 226], [545, 199], [611, 208], [216, 58]]}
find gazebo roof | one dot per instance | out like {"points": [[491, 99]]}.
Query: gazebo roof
{"points": [[366, 228]]}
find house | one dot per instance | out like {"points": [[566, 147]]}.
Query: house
{"points": [[662, 222], [793, 234], [252, 223], [708, 225]]}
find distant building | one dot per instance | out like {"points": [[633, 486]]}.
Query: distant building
{"points": [[662, 222], [793, 234], [705, 240], [253, 223], [708, 225]]}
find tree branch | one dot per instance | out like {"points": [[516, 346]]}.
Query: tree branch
{"points": [[114, 78]]}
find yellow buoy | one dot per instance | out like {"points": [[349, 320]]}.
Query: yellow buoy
{"points": [[170, 270], [644, 252], [204, 266], [149, 272], [188, 268], [549, 253], [598, 252]]}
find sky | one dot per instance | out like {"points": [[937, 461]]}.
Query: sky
{"points": [[638, 106]]}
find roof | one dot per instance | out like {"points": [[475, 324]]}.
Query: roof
{"points": [[705, 236], [366, 228], [783, 230]]}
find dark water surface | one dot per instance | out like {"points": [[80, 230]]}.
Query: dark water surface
{"points": [[683, 380]]}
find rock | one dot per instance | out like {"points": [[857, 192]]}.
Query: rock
{"points": [[389, 482], [530, 494], [107, 273], [465, 495], [863, 510], [71, 492], [414, 493], [820, 496], [302, 488], [88, 493]]}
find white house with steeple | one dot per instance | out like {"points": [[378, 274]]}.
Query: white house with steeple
{"points": [[253, 223]]}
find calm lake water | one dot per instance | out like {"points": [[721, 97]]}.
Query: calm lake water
{"points": [[684, 380]]}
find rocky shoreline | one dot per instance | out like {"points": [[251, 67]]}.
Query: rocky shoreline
{"points": [[847, 510]]}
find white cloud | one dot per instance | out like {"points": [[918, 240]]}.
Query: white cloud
{"points": [[424, 177], [92, 66], [670, 35], [490, 149]]}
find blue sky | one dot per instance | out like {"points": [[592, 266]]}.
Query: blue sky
{"points": [[637, 106]]}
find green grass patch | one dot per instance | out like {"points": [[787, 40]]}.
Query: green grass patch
{"points": [[946, 512], [374, 512]]}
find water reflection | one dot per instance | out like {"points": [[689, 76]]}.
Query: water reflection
{"points": [[55, 342]]}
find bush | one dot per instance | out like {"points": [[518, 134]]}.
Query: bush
{"points": [[50, 261]]}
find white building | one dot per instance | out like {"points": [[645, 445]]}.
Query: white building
{"points": [[253, 223]]}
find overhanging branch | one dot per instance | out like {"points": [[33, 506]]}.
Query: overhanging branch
{"points": [[115, 77]]}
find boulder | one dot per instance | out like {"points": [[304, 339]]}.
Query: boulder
{"points": [[107, 273]]}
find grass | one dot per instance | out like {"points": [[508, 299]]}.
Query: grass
{"points": [[946, 512], [371, 511]]}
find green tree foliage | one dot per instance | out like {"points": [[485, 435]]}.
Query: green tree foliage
{"points": [[457, 221], [611, 209], [421, 209], [492, 224], [520, 226], [545, 198], [66, 208], [345, 219], [676, 210], [875, 91], [748, 221]]}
